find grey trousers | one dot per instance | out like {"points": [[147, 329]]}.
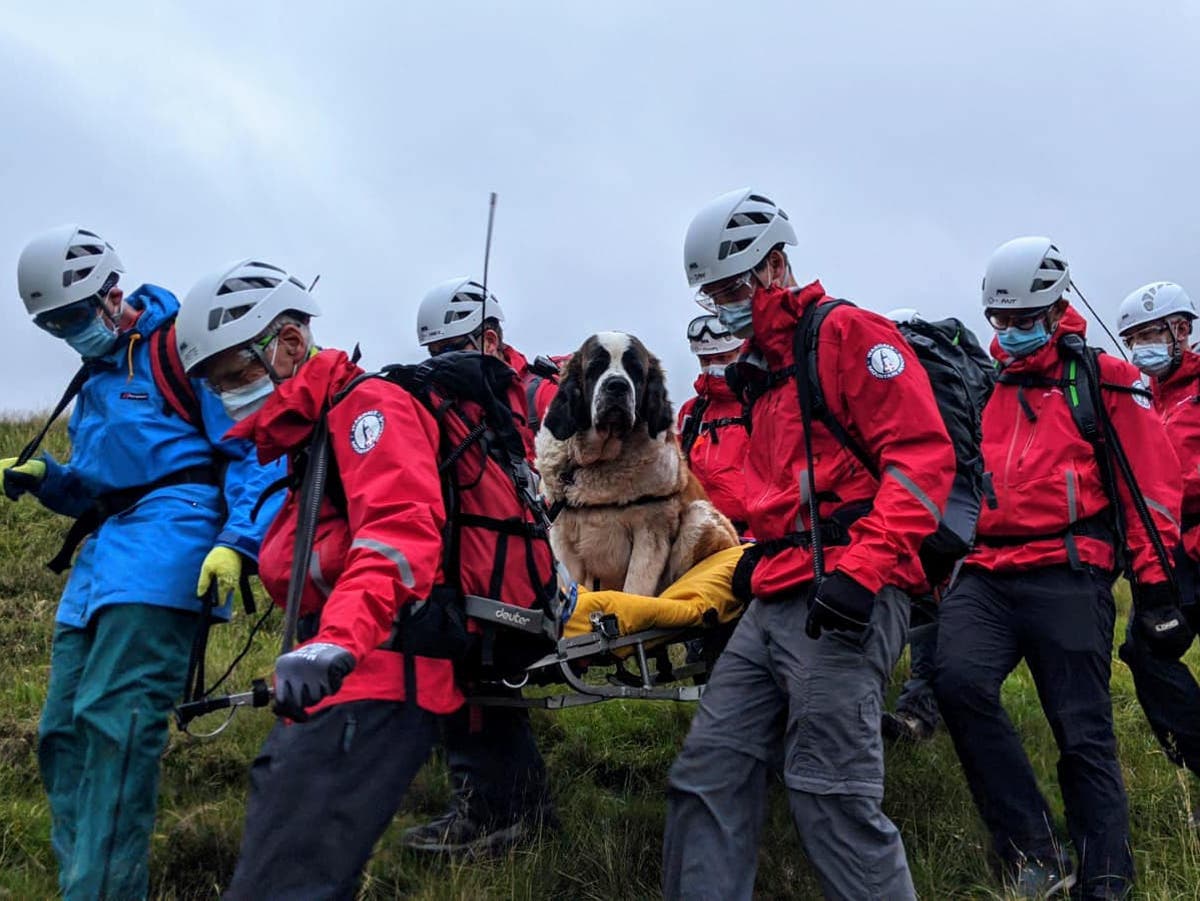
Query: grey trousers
{"points": [[779, 699]]}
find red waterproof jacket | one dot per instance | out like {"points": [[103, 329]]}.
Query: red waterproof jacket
{"points": [[718, 456], [1177, 398], [1044, 474], [386, 550], [880, 393], [531, 395]]}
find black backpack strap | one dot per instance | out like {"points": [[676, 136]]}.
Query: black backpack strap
{"points": [[531, 415], [73, 389], [808, 372], [311, 496], [691, 426]]}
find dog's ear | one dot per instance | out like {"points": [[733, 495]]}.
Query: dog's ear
{"points": [[569, 414], [655, 409]]}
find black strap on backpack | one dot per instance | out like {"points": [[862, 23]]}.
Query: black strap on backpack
{"points": [[73, 389], [808, 378], [691, 426], [542, 368]]}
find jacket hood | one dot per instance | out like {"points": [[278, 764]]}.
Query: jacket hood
{"points": [[1188, 371], [776, 312], [285, 422], [1044, 358], [156, 306], [713, 387]]}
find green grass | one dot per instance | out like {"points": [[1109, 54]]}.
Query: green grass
{"points": [[608, 768]]}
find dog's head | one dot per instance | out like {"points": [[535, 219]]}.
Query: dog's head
{"points": [[612, 384]]}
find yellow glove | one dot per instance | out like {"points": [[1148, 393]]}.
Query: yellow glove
{"points": [[19, 479], [223, 564]]}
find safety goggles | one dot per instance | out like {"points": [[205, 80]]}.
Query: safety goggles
{"points": [[71, 320], [1022, 320], [1151, 333], [734, 290], [706, 327]]}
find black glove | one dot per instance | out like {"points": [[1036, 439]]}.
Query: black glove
{"points": [[1158, 621], [308, 674], [839, 604]]}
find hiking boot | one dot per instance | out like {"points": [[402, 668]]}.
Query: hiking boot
{"points": [[904, 726], [1038, 879], [458, 833]]}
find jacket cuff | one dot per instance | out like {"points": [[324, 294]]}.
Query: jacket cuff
{"points": [[247, 547]]}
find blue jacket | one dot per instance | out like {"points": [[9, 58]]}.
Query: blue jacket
{"points": [[122, 436]]}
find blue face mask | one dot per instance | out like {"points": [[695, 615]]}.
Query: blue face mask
{"points": [[1153, 359], [1019, 343], [96, 339], [737, 318]]}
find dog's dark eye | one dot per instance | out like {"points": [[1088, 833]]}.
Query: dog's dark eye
{"points": [[596, 366], [633, 366]]}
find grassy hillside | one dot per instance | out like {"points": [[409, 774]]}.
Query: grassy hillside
{"points": [[608, 765]]}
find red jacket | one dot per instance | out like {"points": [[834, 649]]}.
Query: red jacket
{"points": [[386, 550], [1177, 398], [529, 387], [718, 456], [1044, 474], [881, 395]]}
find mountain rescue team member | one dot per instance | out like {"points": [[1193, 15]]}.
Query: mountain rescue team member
{"points": [[324, 787], [146, 480], [1156, 324], [497, 773], [800, 684], [712, 425], [1038, 585]]}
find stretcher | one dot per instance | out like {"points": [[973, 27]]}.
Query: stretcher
{"points": [[612, 645], [617, 645]]}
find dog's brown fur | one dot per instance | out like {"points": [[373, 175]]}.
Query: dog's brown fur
{"points": [[633, 517]]}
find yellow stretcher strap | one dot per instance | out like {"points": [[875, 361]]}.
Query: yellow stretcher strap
{"points": [[688, 602]]}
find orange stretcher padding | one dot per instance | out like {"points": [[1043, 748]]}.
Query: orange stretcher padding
{"points": [[687, 602]]}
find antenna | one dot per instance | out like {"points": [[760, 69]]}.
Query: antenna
{"points": [[314, 283], [487, 258], [1097, 317]]}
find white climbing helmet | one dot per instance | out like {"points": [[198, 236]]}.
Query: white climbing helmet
{"points": [[233, 305], [904, 314], [1025, 274], [731, 235], [454, 308], [707, 335], [62, 266], [1156, 300]]}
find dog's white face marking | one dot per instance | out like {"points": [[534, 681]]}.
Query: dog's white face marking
{"points": [[615, 344]]}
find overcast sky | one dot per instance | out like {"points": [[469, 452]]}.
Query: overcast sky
{"points": [[360, 141]]}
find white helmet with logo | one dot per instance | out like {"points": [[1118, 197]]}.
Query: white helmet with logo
{"points": [[234, 305], [1156, 300], [454, 308], [1025, 274], [63, 266], [707, 335], [731, 235]]}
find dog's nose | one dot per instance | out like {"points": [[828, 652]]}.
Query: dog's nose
{"points": [[616, 386]]}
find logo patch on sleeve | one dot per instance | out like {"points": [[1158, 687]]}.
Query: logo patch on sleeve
{"points": [[365, 432], [1141, 399], [884, 361]]}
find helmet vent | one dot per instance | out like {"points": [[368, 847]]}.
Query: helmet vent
{"points": [[218, 316], [454, 316], [748, 218], [250, 283], [760, 199]]}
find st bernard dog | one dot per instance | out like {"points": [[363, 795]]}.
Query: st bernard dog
{"points": [[629, 514]]}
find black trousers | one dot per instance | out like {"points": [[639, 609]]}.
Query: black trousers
{"points": [[1060, 621], [321, 794], [494, 761]]}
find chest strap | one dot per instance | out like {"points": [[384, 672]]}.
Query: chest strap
{"points": [[115, 502]]}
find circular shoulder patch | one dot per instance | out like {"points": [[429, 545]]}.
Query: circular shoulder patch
{"points": [[1141, 399], [365, 432], [884, 361]]}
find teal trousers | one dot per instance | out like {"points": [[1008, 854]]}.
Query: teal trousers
{"points": [[101, 736]]}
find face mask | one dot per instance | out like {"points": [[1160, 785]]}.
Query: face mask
{"points": [[241, 402], [737, 318], [717, 371], [1017, 343], [1153, 359], [96, 340]]}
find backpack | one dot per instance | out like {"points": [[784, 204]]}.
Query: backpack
{"points": [[495, 521], [542, 368], [962, 376]]}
